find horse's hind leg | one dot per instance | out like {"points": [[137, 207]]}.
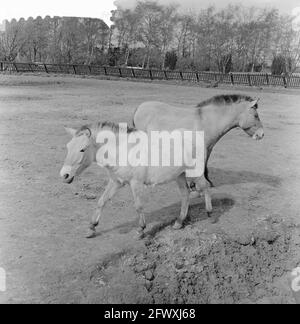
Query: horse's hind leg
{"points": [[108, 194], [206, 171], [206, 174], [185, 194], [203, 185], [137, 191]]}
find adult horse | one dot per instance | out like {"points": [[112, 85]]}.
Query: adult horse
{"points": [[88, 146], [215, 116]]}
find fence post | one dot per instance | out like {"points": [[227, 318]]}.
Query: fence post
{"points": [[120, 71], [267, 78], [45, 67], [197, 76], [105, 70], [90, 69], [181, 75], [1, 67], [151, 75], [133, 73], [166, 76], [249, 79], [74, 68], [16, 67], [284, 81], [231, 78]]}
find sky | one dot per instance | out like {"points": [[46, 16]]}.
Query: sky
{"points": [[101, 8]]}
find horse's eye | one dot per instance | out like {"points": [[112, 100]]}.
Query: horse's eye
{"points": [[82, 151]]}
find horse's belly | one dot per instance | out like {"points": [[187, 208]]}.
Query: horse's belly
{"points": [[162, 175], [127, 174], [171, 123]]}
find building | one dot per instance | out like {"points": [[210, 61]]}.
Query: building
{"points": [[2, 26]]}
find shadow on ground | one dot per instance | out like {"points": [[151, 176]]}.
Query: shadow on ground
{"points": [[162, 218], [221, 177]]}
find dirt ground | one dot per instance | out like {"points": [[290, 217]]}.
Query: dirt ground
{"points": [[246, 257]]}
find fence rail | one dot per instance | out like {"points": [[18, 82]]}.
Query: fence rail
{"points": [[247, 79]]}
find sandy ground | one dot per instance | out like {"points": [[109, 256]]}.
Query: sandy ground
{"points": [[43, 222]]}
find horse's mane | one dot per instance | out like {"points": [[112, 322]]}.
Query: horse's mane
{"points": [[115, 127], [224, 100], [107, 124]]}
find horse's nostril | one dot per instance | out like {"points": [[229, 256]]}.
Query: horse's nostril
{"points": [[66, 176]]}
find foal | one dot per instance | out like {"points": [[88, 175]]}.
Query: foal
{"points": [[86, 148]]}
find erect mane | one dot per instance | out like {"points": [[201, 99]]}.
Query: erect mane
{"points": [[222, 100], [114, 127], [101, 125]]}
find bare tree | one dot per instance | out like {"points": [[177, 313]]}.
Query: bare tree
{"points": [[94, 34], [125, 29], [167, 27], [148, 32], [11, 41]]}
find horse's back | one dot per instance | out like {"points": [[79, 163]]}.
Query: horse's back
{"points": [[161, 116]]}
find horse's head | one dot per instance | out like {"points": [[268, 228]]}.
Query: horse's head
{"points": [[250, 122], [80, 154]]}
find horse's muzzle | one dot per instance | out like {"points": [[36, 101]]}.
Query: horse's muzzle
{"points": [[67, 179], [259, 134], [66, 174]]}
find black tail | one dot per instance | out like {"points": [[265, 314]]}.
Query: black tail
{"points": [[206, 174]]}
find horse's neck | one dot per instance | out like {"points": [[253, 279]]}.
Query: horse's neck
{"points": [[96, 146], [219, 121]]}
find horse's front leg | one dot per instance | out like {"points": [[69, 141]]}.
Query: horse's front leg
{"points": [[137, 190], [108, 194], [185, 196]]}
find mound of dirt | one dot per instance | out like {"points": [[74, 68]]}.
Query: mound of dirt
{"points": [[195, 267]]}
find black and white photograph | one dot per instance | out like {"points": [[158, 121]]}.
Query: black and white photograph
{"points": [[150, 154]]}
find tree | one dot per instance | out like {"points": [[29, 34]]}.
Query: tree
{"points": [[95, 35], [148, 31], [11, 41], [235, 38], [279, 65], [125, 30], [170, 60], [223, 43], [166, 29]]}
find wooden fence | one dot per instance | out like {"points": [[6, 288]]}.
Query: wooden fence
{"points": [[247, 79]]}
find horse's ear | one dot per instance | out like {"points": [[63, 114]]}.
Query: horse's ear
{"points": [[254, 103], [86, 132], [71, 131]]}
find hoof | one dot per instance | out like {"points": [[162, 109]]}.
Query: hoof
{"points": [[91, 234], [177, 226], [213, 220], [140, 235]]}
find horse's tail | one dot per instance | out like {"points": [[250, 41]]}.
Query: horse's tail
{"points": [[206, 175], [133, 120]]}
